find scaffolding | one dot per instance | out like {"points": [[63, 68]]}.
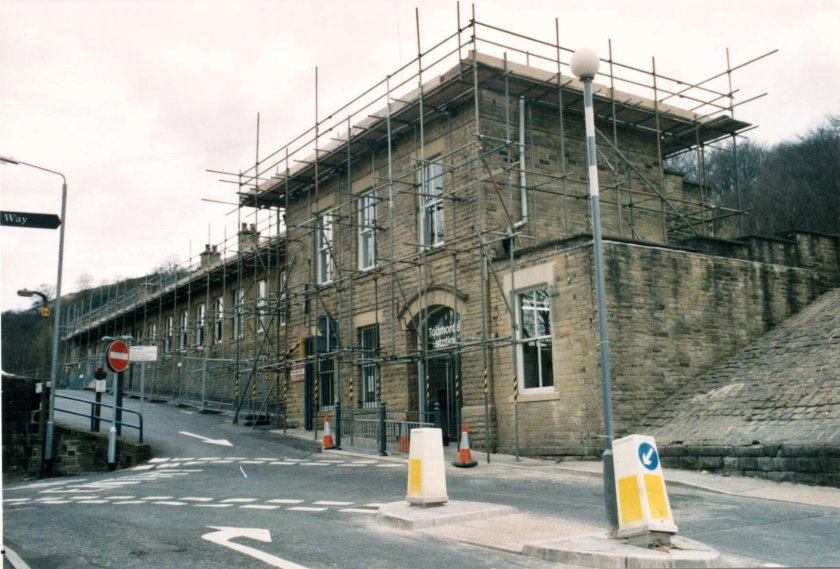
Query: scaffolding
{"points": [[487, 92]]}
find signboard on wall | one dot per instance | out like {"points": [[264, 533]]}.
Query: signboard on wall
{"points": [[298, 372]]}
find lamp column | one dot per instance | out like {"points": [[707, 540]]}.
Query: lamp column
{"points": [[584, 65]]}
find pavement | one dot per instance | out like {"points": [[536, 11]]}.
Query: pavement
{"points": [[564, 541]]}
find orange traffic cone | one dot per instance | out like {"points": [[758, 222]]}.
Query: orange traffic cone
{"points": [[464, 455], [404, 440], [328, 440]]}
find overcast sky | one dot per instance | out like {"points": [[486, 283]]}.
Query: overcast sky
{"points": [[134, 100]]}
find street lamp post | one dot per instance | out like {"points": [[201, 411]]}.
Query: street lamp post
{"points": [[584, 65], [44, 406], [48, 455]]}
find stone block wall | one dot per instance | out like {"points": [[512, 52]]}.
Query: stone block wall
{"points": [[799, 463], [20, 428], [76, 451], [80, 451]]}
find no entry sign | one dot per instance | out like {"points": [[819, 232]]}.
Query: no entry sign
{"points": [[117, 356]]}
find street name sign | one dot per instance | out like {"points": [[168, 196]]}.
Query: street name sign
{"points": [[26, 219], [118, 356]]}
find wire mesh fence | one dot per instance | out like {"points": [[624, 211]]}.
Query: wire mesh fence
{"points": [[207, 383]]}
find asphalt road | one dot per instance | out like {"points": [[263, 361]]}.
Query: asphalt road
{"points": [[318, 510]]}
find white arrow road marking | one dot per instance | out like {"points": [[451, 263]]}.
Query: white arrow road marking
{"points": [[224, 535], [220, 442], [646, 458]]}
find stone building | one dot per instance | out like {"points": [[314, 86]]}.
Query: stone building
{"points": [[429, 244]]}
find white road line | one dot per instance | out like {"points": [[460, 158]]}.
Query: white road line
{"points": [[239, 500], [15, 500], [363, 462], [284, 501], [389, 466], [144, 467], [285, 463], [358, 511], [328, 503], [119, 497], [222, 461], [152, 498], [130, 502], [258, 507], [307, 509], [352, 465], [54, 502], [374, 505], [252, 462], [328, 461], [211, 458], [242, 470], [265, 459], [195, 499], [92, 502], [157, 460], [171, 503], [43, 485], [15, 559], [314, 464], [213, 506]]}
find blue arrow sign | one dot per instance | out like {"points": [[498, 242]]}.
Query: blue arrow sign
{"points": [[648, 456]]}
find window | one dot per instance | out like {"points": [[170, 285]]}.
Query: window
{"points": [[262, 300], [367, 231], [534, 349], [151, 335], [167, 334], [200, 322], [238, 313], [325, 242], [185, 323], [218, 323], [431, 204], [369, 342]]}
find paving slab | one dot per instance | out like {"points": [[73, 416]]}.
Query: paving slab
{"points": [[404, 515], [599, 550], [548, 538]]}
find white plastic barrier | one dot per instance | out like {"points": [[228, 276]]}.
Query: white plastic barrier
{"points": [[640, 488], [426, 469]]}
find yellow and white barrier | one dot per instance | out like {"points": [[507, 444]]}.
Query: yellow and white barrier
{"points": [[426, 469], [640, 488]]}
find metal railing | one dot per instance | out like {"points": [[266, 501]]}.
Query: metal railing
{"points": [[95, 417], [379, 429]]}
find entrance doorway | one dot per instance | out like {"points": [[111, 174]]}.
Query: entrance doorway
{"points": [[441, 367]]}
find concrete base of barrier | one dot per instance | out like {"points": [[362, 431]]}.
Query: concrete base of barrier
{"points": [[406, 516]]}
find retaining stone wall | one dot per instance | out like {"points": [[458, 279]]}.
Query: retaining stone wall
{"points": [[805, 464], [77, 451]]}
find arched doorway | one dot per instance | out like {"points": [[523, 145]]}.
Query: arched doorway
{"points": [[439, 337]]}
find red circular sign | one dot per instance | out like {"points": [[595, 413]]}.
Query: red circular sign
{"points": [[118, 356]]}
